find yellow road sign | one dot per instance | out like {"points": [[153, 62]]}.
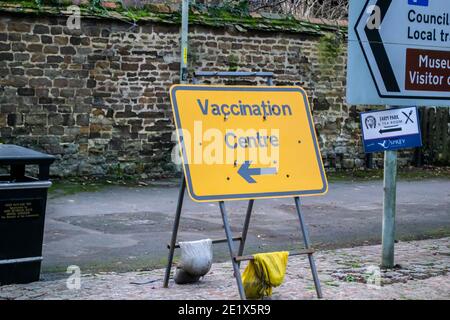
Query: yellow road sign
{"points": [[244, 142]]}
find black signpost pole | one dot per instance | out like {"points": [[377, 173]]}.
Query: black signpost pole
{"points": [[237, 273], [245, 228], [176, 224], [308, 246]]}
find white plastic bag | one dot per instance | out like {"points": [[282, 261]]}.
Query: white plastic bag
{"points": [[196, 257], [195, 262]]}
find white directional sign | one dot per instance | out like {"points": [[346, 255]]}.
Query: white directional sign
{"points": [[391, 129], [399, 52]]}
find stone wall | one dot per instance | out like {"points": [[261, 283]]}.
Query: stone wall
{"points": [[97, 98]]}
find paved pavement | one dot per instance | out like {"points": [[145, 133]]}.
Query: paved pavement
{"points": [[125, 229], [349, 273]]}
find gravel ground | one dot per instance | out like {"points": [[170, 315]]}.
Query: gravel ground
{"points": [[351, 273]]}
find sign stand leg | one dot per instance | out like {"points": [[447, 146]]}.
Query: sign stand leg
{"points": [[245, 229], [227, 228], [308, 246], [176, 224], [388, 232]]}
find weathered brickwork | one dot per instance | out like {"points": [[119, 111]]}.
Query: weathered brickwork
{"points": [[98, 97]]}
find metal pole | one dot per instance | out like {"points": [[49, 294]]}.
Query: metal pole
{"points": [[184, 40], [176, 224], [183, 79], [245, 228], [388, 232], [308, 246], [227, 228]]}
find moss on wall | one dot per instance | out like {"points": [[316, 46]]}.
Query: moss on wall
{"points": [[330, 47], [219, 16], [233, 62]]}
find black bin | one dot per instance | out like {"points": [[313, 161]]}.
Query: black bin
{"points": [[22, 214]]}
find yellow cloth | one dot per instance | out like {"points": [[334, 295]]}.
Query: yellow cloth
{"points": [[266, 271]]}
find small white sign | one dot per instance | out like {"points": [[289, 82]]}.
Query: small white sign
{"points": [[390, 123]]}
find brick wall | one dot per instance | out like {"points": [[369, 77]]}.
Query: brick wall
{"points": [[97, 98]]}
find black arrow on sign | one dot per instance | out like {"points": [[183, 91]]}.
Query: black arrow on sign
{"points": [[389, 130], [378, 49]]}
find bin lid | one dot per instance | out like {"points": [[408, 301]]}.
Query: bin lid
{"points": [[12, 154]]}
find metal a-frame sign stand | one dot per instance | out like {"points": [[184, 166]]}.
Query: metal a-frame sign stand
{"points": [[237, 257]]}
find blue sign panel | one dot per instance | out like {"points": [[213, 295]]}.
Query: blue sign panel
{"points": [[423, 3], [391, 129], [405, 142]]}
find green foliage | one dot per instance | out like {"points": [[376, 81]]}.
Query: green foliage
{"points": [[330, 47], [228, 12], [118, 171], [135, 14], [408, 174], [349, 278], [96, 5]]}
